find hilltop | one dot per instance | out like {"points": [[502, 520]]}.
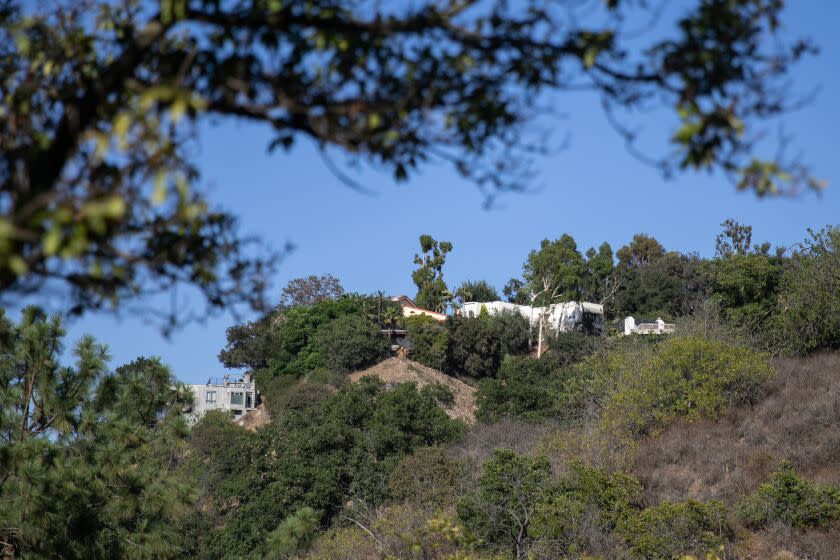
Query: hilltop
{"points": [[402, 370]]}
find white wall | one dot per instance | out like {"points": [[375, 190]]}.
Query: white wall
{"points": [[223, 395]]}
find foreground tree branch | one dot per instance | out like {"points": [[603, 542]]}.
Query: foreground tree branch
{"points": [[99, 103]]}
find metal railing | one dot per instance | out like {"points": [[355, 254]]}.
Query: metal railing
{"points": [[232, 381]]}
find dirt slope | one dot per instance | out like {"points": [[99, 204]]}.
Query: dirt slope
{"points": [[253, 419], [402, 370]]}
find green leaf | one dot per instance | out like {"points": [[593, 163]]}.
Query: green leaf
{"points": [[159, 191], [18, 265], [589, 56], [51, 241], [114, 207], [178, 108]]}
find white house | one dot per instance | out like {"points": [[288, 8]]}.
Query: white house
{"points": [[234, 393], [563, 316], [657, 327]]}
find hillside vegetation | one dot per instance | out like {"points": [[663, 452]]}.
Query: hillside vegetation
{"points": [[717, 442], [455, 397]]}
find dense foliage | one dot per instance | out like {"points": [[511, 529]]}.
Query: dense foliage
{"points": [[524, 387], [287, 341], [480, 290], [429, 341], [86, 455], [477, 346], [789, 499], [689, 377], [809, 314], [582, 506], [351, 342], [360, 469], [343, 449], [500, 511], [672, 530]]}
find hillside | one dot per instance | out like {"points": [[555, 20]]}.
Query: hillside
{"points": [[401, 370], [730, 457]]}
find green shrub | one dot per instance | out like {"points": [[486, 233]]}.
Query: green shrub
{"points": [[324, 376], [809, 312], [294, 534], [686, 376], [498, 513], [524, 388], [747, 286], [426, 477], [478, 345], [284, 342], [273, 388], [302, 397], [429, 341], [341, 450], [791, 500], [587, 384], [672, 530], [351, 342], [440, 393], [584, 505], [570, 347]]}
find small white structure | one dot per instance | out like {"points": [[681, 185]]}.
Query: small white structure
{"points": [[234, 393], [564, 316], [658, 327]]}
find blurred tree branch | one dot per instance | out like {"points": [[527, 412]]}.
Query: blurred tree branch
{"points": [[99, 102]]}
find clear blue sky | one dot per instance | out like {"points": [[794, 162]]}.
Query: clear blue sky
{"points": [[593, 190]]}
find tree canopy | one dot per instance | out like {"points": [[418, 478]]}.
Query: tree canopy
{"points": [[479, 290], [87, 456], [101, 102], [432, 292]]}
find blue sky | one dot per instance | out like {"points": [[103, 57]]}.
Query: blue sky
{"points": [[593, 190]]}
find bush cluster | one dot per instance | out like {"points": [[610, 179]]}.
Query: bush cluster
{"points": [[791, 500], [346, 446], [686, 376], [672, 530], [474, 347]]}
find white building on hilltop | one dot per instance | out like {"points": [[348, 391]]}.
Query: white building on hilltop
{"points": [[561, 317], [657, 327], [233, 392]]}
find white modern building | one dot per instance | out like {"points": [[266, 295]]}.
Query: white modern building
{"points": [[563, 316], [233, 392]]}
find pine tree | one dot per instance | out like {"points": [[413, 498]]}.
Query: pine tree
{"points": [[86, 456]]}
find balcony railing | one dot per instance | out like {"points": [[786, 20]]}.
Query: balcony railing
{"points": [[231, 381]]}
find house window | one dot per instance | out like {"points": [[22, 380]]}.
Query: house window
{"points": [[236, 397], [249, 401], [211, 397]]}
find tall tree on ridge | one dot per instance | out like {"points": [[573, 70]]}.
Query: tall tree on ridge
{"points": [[432, 292], [476, 291], [310, 290], [556, 270]]}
